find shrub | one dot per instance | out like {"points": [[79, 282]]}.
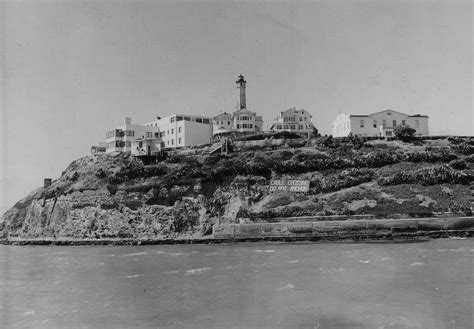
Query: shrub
{"points": [[112, 188], [347, 178], [429, 176], [100, 174], [404, 133], [458, 164]]}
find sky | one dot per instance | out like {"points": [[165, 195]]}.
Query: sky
{"points": [[71, 70]]}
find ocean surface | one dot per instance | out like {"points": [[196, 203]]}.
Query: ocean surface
{"points": [[255, 285]]}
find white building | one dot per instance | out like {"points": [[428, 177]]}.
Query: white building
{"points": [[243, 120], [180, 130], [120, 139], [177, 130], [293, 120], [379, 124]]}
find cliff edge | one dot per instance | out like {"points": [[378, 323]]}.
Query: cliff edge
{"points": [[118, 196]]}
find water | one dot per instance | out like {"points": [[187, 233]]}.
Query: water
{"points": [[413, 285]]}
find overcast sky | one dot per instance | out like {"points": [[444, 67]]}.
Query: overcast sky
{"points": [[71, 70]]}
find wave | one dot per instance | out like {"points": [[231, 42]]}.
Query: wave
{"points": [[417, 264], [288, 286], [264, 250], [136, 254], [197, 270]]}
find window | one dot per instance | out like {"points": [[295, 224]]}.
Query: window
{"points": [[300, 126], [285, 126], [417, 124], [403, 123], [388, 113], [228, 122], [199, 120], [375, 123], [130, 133], [250, 125], [304, 118], [244, 125], [179, 140], [162, 144], [172, 119], [179, 129], [168, 142], [238, 126], [149, 134], [292, 126], [394, 123], [278, 126], [384, 123], [162, 134], [222, 122], [172, 131], [206, 121], [301, 119], [362, 123], [172, 142], [128, 144], [179, 118], [187, 119], [157, 135], [140, 144]]}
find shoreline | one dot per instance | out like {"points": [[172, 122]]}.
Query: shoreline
{"points": [[345, 231]]}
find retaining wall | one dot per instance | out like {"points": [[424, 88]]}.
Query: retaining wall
{"points": [[347, 229]]}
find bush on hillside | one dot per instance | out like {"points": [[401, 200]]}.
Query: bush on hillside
{"points": [[345, 179], [404, 133], [429, 176], [458, 164]]}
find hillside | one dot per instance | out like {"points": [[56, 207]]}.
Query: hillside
{"points": [[117, 196]]}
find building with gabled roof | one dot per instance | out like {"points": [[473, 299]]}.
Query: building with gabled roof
{"points": [[293, 120], [379, 124]]}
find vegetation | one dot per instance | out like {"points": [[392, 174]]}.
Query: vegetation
{"points": [[404, 133]]}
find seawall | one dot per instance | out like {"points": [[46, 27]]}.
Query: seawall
{"points": [[360, 229]]}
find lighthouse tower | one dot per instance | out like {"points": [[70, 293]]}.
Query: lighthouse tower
{"points": [[241, 86]]}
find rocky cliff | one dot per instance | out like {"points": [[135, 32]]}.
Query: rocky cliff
{"points": [[117, 196]]}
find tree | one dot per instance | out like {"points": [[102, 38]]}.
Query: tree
{"points": [[404, 133]]}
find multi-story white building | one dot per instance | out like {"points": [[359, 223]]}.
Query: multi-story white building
{"points": [[177, 130], [379, 124], [293, 120], [180, 130], [120, 139], [243, 120]]}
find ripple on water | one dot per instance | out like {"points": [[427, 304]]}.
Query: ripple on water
{"points": [[265, 250], [136, 254], [197, 270]]}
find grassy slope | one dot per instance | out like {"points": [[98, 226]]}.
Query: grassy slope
{"points": [[344, 180]]}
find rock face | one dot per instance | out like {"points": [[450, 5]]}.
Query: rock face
{"points": [[117, 196]]}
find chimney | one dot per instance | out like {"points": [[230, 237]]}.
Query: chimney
{"points": [[47, 182], [128, 121]]}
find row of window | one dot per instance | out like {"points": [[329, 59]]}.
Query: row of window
{"points": [[244, 118], [180, 140], [292, 127], [384, 123], [181, 118], [245, 125], [293, 119], [118, 144], [222, 122]]}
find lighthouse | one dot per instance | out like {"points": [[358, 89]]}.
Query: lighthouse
{"points": [[241, 86]]}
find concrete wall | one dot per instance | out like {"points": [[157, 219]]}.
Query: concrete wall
{"points": [[342, 229]]}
